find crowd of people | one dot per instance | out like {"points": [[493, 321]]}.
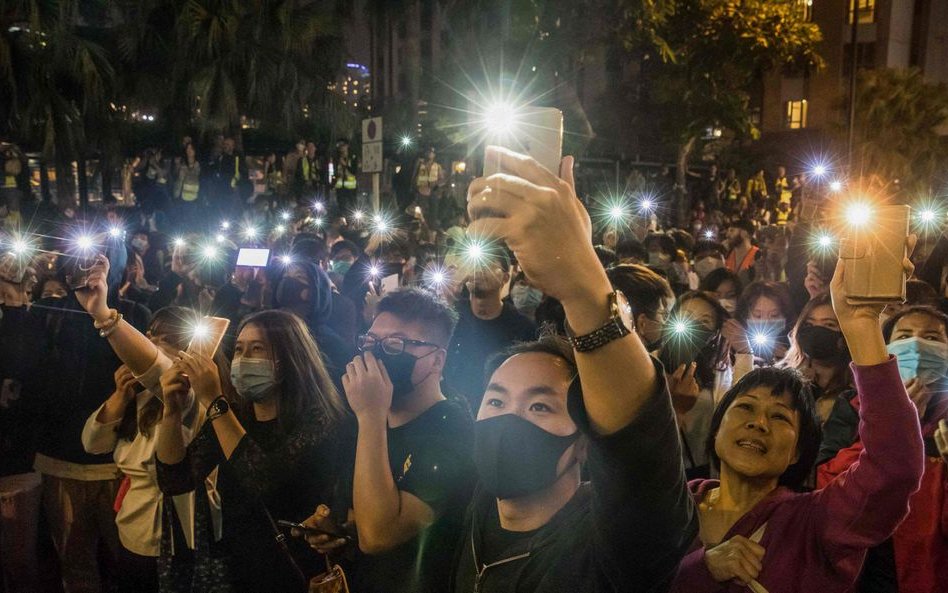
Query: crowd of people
{"points": [[525, 394]]}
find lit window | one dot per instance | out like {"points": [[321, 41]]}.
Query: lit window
{"points": [[866, 9], [796, 114]]}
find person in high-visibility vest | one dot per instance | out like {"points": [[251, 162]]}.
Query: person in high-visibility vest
{"points": [[782, 186], [429, 177], [309, 173], [230, 179], [187, 187], [344, 177], [13, 170]]}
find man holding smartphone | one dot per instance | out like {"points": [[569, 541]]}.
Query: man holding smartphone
{"points": [[533, 526]]}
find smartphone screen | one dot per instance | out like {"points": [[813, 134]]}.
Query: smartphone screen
{"points": [[78, 269], [537, 132], [253, 258], [207, 336]]}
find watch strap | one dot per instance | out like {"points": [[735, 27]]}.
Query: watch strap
{"points": [[612, 330]]}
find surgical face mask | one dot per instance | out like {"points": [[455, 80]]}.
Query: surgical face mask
{"points": [[515, 457], [341, 267], [253, 378], [926, 360], [139, 245], [729, 305], [659, 259], [706, 265], [525, 298]]}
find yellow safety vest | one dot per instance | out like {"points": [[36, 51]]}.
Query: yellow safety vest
{"points": [[236, 179], [783, 186], [9, 181], [428, 175], [782, 217], [347, 181]]}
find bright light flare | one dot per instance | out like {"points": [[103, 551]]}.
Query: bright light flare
{"points": [[500, 118], [209, 252], [374, 271], [819, 170], [858, 214], [406, 141], [220, 238], [761, 339], [178, 242], [200, 331], [286, 259], [680, 327], [836, 186], [824, 241], [436, 277], [115, 232], [319, 206], [709, 235], [358, 215], [225, 225], [280, 229], [285, 215], [85, 242], [646, 205], [250, 232], [617, 213]]}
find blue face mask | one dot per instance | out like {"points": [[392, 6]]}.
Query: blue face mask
{"points": [[926, 360], [253, 378], [341, 267], [525, 298]]}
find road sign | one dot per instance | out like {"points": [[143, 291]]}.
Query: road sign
{"points": [[372, 157], [372, 130], [372, 145]]}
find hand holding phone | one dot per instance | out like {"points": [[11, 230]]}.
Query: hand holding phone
{"points": [[875, 251], [207, 335], [536, 132]]}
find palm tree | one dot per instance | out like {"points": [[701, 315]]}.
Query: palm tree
{"points": [[53, 82]]}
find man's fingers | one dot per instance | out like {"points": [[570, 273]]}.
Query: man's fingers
{"points": [[489, 229], [566, 171]]}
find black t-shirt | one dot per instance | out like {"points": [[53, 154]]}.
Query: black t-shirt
{"points": [[474, 341], [430, 457], [498, 542]]}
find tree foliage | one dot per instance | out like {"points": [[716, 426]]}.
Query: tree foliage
{"points": [[898, 117]]}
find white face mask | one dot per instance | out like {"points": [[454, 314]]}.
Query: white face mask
{"points": [[706, 265], [730, 305]]}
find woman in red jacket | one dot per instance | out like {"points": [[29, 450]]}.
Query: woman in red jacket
{"points": [[918, 337], [755, 530]]}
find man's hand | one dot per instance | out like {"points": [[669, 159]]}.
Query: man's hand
{"points": [[684, 388], [94, 296], [814, 283], [736, 559], [202, 374], [522, 207], [324, 542], [367, 387]]}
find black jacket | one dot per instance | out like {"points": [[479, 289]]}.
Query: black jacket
{"points": [[625, 530]]}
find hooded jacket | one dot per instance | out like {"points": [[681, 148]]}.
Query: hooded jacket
{"points": [[336, 353]]}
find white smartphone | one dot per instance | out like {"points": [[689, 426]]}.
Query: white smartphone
{"points": [[390, 283], [253, 258], [537, 132]]}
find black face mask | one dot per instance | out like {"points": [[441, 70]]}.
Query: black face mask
{"points": [[515, 457], [290, 292], [821, 343], [399, 368]]}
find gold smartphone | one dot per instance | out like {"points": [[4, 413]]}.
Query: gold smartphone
{"points": [[874, 252], [535, 131], [207, 335]]}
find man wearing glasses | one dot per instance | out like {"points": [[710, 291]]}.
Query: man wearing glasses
{"points": [[413, 473]]}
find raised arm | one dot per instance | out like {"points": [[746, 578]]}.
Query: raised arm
{"points": [[864, 505], [634, 456], [130, 345]]}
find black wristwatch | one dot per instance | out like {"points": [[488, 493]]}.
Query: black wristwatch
{"points": [[217, 408], [618, 326]]}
